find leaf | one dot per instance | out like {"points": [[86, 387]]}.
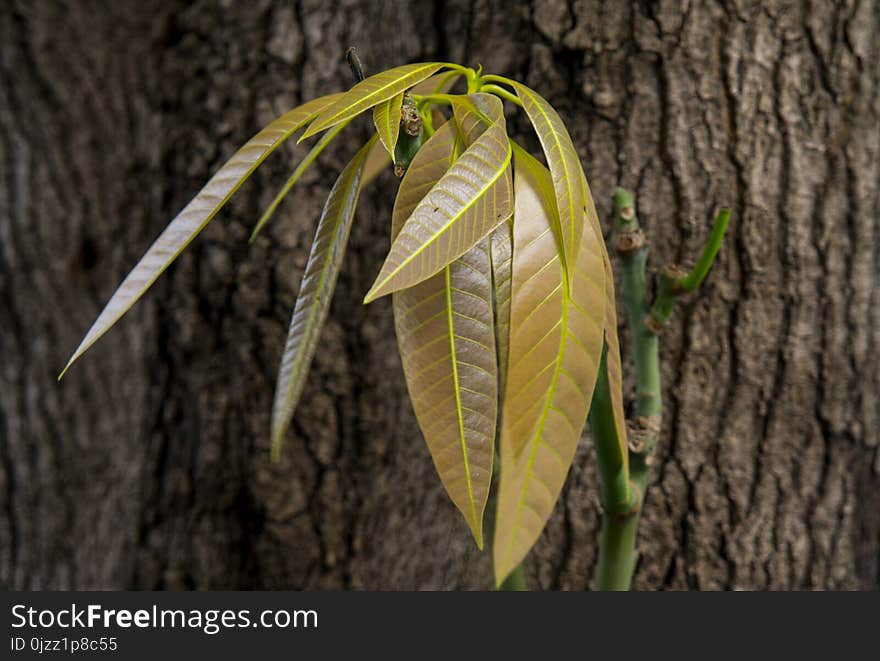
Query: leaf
{"points": [[371, 92], [386, 117], [315, 292], [612, 357], [501, 241], [445, 336], [565, 167], [556, 334], [315, 151], [472, 115], [196, 215], [461, 209]]}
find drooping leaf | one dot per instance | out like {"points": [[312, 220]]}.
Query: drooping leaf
{"points": [[612, 357], [556, 334], [315, 151], [370, 92], [445, 336], [386, 117], [501, 241], [315, 292], [196, 215], [472, 113], [461, 209], [565, 168]]}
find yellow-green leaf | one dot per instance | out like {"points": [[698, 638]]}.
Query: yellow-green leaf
{"points": [[370, 92], [501, 241], [472, 113], [556, 334], [460, 210], [386, 117], [445, 336], [565, 168], [197, 214], [315, 292]]}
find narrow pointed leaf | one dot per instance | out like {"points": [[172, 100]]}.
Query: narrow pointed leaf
{"points": [[372, 91], [315, 292], [196, 215], [460, 210], [445, 337], [386, 117], [565, 168], [314, 152], [612, 357], [501, 241], [556, 334]]}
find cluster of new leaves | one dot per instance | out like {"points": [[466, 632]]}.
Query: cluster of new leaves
{"points": [[501, 284]]}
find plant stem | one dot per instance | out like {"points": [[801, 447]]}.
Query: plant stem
{"points": [[617, 554], [620, 497], [516, 580]]}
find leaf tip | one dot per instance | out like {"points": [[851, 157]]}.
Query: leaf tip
{"points": [[277, 439], [372, 295], [311, 129], [68, 365]]}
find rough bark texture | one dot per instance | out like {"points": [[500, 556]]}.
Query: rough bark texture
{"points": [[148, 466]]}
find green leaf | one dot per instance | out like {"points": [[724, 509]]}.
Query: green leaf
{"points": [[315, 292], [386, 117], [196, 215], [565, 167], [556, 334], [446, 342], [461, 209], [315, 151], [371, 92]]}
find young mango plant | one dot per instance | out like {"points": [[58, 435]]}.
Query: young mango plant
{"points": [[501, 285]]}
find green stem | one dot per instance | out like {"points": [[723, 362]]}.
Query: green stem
{"points": [[617, 551], [516, 580], [620, 498], [502, 93], [693, 279]]}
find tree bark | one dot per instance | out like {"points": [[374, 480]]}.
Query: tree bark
{"points": [[148, 466]]}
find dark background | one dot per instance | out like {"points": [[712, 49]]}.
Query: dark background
{"points": [[148, 466]]}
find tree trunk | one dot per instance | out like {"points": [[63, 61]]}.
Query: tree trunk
{"points": [[148, 466]]}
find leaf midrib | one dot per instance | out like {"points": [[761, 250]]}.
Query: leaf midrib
{"points": [[314, 308], [536, 438], [569, 191], [458, 405]]}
